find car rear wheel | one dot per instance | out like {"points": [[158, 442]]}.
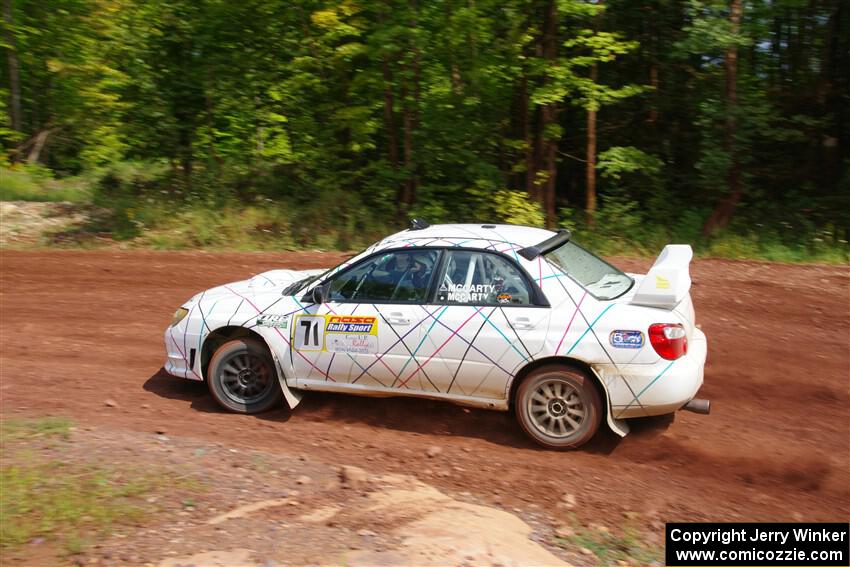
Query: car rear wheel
{"points": [[242, 377], [558, 407]]}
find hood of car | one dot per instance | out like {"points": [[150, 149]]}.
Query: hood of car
{"points": [[271, 281], [280, 278]]}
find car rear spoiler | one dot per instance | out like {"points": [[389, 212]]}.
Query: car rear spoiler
{"points": [[668, 281], [531, 252]]}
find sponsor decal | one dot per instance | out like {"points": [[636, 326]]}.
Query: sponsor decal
{"points": [[662, 283], [354, 334], [279, 321], [462, 293], [351, 324], [626, 339], [352, 344]]}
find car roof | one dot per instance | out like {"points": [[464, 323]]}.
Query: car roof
{"points": [[491, 236]]}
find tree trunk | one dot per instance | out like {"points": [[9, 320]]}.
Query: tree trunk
{"points": [[389, 112], [551, 165], [525, 130], [12, 61], [407, 189], [185, 152], [38, 144], [409, 104], [417, 97], [549, 116], [473, 48], [590, 159], [590, 171], [590, 165], [653, 80], [833, 81], [536, 133], [776, 51], [722, 214], [410, 117], [211, 126], [389, 119]]}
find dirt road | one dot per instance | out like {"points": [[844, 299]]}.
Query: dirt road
{"points": [[82, 327]]}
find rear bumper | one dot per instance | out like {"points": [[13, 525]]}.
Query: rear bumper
{"points": [[643, 390]]}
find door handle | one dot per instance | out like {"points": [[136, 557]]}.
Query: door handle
{"points": [[522, 323], [397, 319]]}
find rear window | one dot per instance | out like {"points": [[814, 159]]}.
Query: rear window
{"points": [[598, 277]]}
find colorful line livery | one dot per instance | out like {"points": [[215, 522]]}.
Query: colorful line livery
{"points": [[491, 316]]}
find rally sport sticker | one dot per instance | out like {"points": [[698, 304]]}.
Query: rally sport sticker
{"points": [[626, 339], [353, 334]]}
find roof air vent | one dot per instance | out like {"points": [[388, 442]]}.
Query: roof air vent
{"points": [[419, 224]]}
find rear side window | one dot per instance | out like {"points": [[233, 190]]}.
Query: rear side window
{"points": [[594, 274], [481, 278]]}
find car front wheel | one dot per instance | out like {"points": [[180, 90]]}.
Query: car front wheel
{"points": [[558, 407], [242, 377]]}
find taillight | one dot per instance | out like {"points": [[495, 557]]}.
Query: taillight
{"points": [[668, 340]]}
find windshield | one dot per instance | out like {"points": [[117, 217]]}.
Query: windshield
{"points": [[598, 277], [301, 285]]}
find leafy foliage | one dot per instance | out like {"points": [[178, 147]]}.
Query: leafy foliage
{"points": [[618, 161], [336, 119]]}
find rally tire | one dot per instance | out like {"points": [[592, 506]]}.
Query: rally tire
{"points": [[558, 407], [242, 377]]}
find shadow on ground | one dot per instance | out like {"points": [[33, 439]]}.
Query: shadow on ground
{"points": [[415, 415]]}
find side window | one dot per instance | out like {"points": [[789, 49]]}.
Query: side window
{"points": [[394, 276], [481, 278]]}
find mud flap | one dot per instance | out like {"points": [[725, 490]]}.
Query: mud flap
{"points": [[291, 397], [618, 426]]}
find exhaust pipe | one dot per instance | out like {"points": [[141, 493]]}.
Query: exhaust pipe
{"points": [[698, 405]]}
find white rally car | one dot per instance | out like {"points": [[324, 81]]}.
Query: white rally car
{"points": [[492, 316]]}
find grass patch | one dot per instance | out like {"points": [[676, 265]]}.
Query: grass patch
{"points": [[621, 228], [67, 503], [611, 547], [822, 247], [256, 226], [33, 183], [28, 429], [146, 205]]}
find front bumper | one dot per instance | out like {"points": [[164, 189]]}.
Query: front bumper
{"points": [[641, 390], [182, 354]]}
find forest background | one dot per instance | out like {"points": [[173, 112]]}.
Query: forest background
{"points": [[327, 124]]}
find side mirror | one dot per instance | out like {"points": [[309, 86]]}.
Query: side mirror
{"points": [[320, 294]]}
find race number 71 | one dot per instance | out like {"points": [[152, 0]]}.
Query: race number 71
{"points": [[310, 333]]}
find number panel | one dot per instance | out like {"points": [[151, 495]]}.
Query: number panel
{"points": [[309, 333]]}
